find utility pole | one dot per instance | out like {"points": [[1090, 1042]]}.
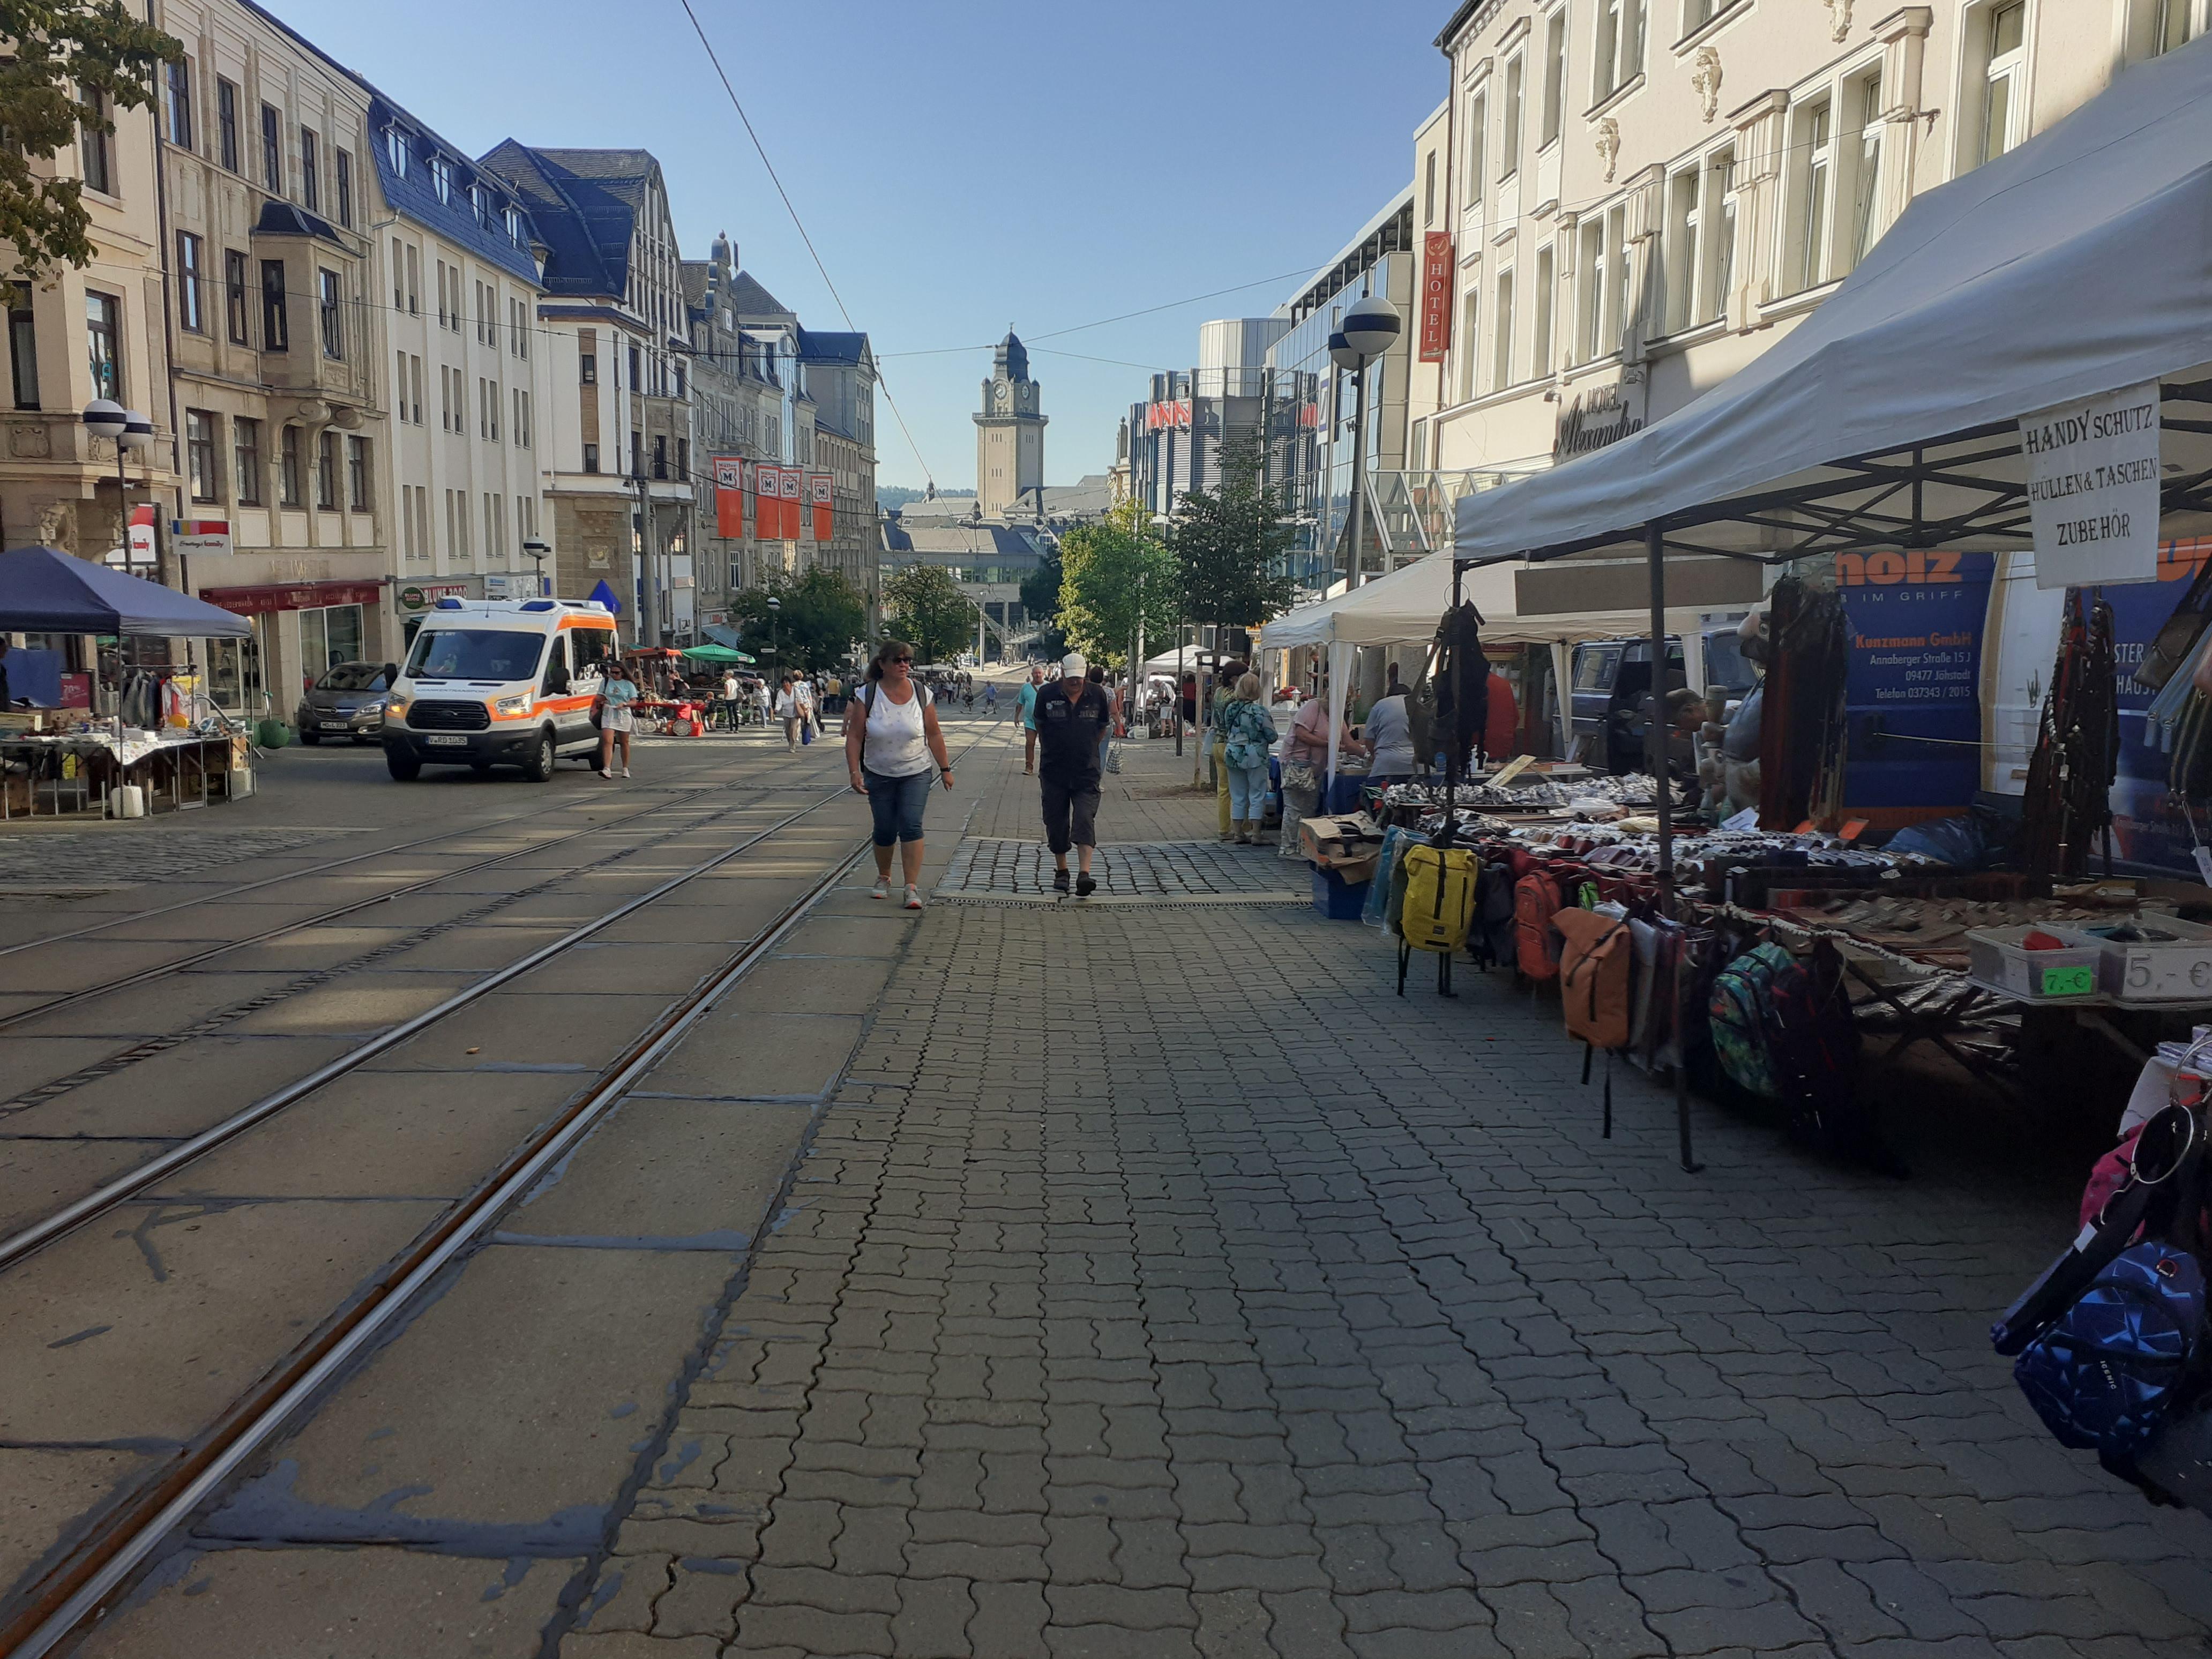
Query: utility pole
{"points": [[648, 573]]}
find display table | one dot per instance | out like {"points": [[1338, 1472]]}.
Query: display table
{"points": [[69, 772]]}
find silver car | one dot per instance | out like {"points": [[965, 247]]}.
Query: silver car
{"points": [[348, 702]]}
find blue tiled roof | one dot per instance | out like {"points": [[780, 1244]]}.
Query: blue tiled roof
{"points": [[585, 204], [815, 348], [415, 196], [280, 218]]}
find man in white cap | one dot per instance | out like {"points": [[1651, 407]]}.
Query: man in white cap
{"points": [[1072, 715]]}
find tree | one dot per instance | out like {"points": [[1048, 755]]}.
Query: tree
{"points": [[933, 614], [70, 64], [1118, 580], [823, 616], [1041, 600], [1230, 545]]}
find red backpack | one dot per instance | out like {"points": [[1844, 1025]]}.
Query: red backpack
{"points": [[1536, 942]]}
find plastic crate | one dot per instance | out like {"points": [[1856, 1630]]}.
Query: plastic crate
{"points": [[1335, 897], [1997, 959], [2170, 960]]}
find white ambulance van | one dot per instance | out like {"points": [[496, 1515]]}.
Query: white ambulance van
{"points": [[499, 682]]}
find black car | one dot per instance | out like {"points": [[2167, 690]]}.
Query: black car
{"points": [[1613, 677], [348, 702]]}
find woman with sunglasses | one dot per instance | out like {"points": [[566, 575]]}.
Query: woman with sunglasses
{"points": [[892, 745]]}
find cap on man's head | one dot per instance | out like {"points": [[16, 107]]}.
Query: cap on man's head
{"points": [[1073, 667]]}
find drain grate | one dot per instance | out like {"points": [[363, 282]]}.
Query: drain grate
{"points": [[984, 870]]}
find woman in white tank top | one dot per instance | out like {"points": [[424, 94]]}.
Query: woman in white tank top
{"points": [[892, 747]]}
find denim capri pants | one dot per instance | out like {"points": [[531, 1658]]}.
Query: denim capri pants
{"points": [[897, 804]]}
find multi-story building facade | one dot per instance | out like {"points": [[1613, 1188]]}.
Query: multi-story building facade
{"points": [[76, 335], [459, 286], [616, 446], [1628, 200], [840, 370], [278, 393]]}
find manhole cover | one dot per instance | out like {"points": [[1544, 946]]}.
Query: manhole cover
{"points": [[985, 871]]}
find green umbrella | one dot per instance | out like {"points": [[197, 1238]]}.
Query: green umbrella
{"points": [[716, 654]]}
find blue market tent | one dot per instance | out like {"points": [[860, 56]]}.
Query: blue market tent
{"points": [[44, 591]]}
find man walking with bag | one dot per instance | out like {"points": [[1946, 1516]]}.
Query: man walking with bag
{"points": [[1074, 719]]}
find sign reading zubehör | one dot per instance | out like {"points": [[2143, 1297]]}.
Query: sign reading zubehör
{"points": [[2092, 477]]}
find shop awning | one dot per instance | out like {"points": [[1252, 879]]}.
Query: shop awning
{"points": [[44, 591], [716, 654], [2079, 263], [1404, 608], [293, 596]]}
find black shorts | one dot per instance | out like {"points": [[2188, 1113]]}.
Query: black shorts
{"points": [[1071, 813]]}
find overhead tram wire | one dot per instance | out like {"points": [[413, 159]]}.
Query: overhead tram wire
{"points": [[800, 224]]}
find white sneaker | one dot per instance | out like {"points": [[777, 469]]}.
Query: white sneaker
{"points": [[913, 899], [625, 771], [881, 889]]}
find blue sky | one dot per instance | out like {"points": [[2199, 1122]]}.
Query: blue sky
{"points": [[960, 166]]}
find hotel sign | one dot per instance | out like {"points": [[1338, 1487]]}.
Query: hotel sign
{"points": [[1436, 295], [1591, 421]]}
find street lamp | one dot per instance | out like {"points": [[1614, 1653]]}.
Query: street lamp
{"points": [[774, 626], [127, 429], [537, 550], [1162, 523], [1368, 329]]}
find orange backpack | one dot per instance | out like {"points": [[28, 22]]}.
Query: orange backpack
{"points": [[1594, 976], [1536, 942]]}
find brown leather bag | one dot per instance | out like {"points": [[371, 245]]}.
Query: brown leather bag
{"points": [[1594, 976]]}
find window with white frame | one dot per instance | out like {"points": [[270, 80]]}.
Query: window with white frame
{"points": [[441, 177], [1540, 305], [1477, 147], [1508, 131], [1596, 267], [2176, 24], [1718, 274], [1696, 13], [2003, 40], [1685, 223], [1812, 159], [1618, 51], [1621, 300], [1501, 354], [1470, 322], [1864, 105], [395, 149], [1554, 110], [1429, 192]]}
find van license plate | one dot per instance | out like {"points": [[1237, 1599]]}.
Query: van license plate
{"points": [[446, 742]]}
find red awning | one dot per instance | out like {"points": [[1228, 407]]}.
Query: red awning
{"points": [[296, 596]]}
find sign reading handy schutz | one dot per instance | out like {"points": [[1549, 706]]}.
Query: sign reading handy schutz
{"points": [[2092, 478]]}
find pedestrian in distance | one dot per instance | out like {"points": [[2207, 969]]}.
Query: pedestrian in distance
{"points": [[991, 701], [1072, 718], [1248, 733], [616, 692], [893, 748], [790, 710], [1025, 701], [810, 721]]}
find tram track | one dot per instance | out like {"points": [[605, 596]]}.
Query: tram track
{"points": [[71, 1000], [325, 868], [85, 1577]]}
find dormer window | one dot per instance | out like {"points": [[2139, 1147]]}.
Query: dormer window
{"points": [[514, 226], [480, 204], [441, 177], [395, 145]]}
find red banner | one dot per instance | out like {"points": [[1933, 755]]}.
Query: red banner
{"points": [[302, 596], [767, 519], [792, 483], [821, 496], [729, 513], [1436, 295]]}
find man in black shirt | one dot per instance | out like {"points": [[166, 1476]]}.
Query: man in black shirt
{"points": [[1072, 715]]}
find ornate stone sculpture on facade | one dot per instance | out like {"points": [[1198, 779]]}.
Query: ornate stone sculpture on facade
{"points": [[1840, 10], [1706, 80], [1608, 144]]}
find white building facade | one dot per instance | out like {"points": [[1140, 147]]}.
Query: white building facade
{"points": [[1622, 202], [458, 284]]}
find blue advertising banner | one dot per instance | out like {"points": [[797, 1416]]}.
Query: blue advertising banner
{"points": [[1913, 693], [2149, 829]]}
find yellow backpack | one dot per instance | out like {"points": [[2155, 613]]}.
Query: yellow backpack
{"points": [[1439, 903]]}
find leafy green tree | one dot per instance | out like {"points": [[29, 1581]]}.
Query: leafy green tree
{"points": [[822, 617], [69, 64], [1230, 545], [1118, 580], [929, 611], [1041, 600]]}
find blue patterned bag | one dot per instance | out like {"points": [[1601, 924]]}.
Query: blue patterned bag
{"points": [[2106, 1373]]}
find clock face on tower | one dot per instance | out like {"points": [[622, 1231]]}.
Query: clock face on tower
{"points": [[1005, 395]]}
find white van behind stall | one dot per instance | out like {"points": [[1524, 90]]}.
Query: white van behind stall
{"points": [[499, 683]]}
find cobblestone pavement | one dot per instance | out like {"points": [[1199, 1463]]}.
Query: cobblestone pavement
{"points": [[49, 859], [1153, 871], [1158, 1284]]}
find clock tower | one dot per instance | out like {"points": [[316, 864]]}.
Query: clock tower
{"points": [[1009, 436]]}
